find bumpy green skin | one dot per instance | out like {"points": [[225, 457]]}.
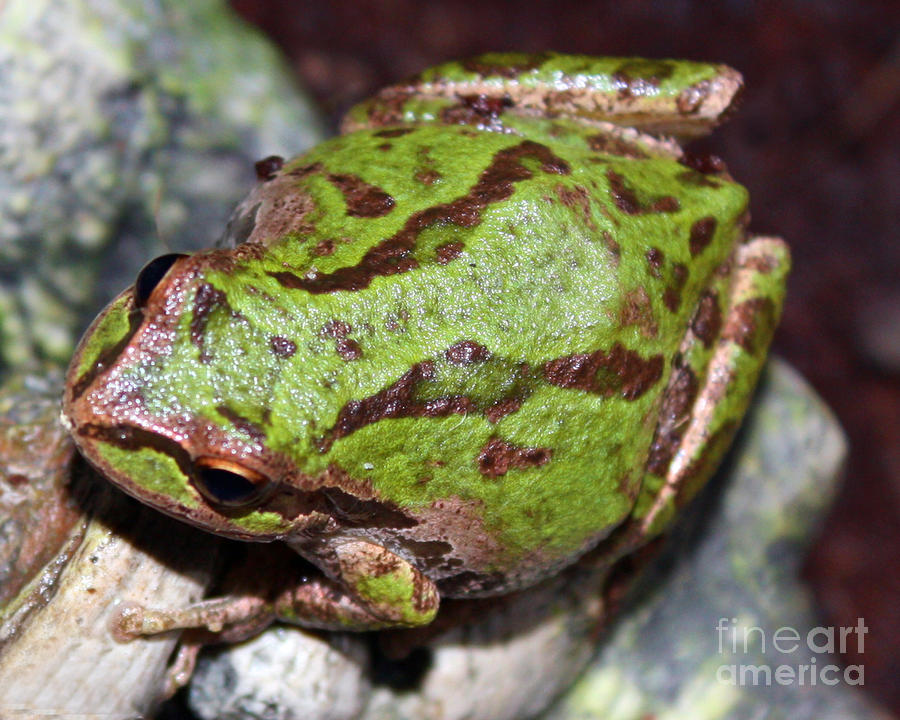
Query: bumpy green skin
{"points": [[475, 339]]}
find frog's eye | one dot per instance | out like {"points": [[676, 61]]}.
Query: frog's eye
{"points": [[228, 484], [151, 274]]}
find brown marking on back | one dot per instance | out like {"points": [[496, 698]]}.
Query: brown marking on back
{"points": [[704, 163], [626, 199], [479, 66], [394, 254], [638, 78], [674, 415], [578, 199], [363, 199], [467, 352], [394, 132], [501, 409], [498, 457], [618, 372], [395, 401], [346, 347], [449, 252], [707, 320], [636, 309], [655, 260], [672, 294], [702, 232], [207, 300], [324, 247], [282, 346], [614, 248], [749, 320]]}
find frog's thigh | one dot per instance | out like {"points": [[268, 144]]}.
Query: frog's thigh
{"points": [[752, 309]]}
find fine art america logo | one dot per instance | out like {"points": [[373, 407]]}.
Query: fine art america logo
{"points": [[801, 658]]}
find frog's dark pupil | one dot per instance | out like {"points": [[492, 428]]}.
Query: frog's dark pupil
{"points": [[225, 487], [149, 277]]}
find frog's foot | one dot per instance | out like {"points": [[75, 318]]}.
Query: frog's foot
{"points": [[382, 591], [698, 420]]}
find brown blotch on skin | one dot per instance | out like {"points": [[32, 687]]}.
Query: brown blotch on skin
{"points": [[702, 232], [207, 300], [707, 320], [678, 401], [638, 78], [396, 401], [626, 199], [449, 252], [384, 147], [614, 248], [610, 144], [241, 423], [347, 348], [655, 260], [268, 167], [578, 199], [394, 132], [324, 247], [501, 409], [394, 254], [692, 177], [619, 371], [672, 293], [467, 352], [485, 69], [636, 309], [498, 457], [428, 177], [705, 163], [363, 199], [749, 320], [282, 346]]}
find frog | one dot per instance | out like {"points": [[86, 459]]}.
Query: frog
{"points": [[501, 324]]}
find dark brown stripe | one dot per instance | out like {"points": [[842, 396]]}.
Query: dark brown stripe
{"points": [[498, 457], [394, 255], [617, 372]]}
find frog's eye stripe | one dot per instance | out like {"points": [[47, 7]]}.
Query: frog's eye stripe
{"points": [[151, 275], [227, 484]]}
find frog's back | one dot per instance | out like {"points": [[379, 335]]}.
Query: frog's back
{"points": [[475, 321]]}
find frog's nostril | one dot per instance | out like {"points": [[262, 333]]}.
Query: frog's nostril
{"points": [[151, 274], [227, 484]]}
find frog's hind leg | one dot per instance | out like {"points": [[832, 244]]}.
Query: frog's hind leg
{"points": [[712, 381]]}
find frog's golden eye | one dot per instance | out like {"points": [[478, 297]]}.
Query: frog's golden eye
{"points": [[151, 275], [228, 484]]}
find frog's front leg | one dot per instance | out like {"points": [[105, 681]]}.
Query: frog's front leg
{"points": [[377, 589], [712, 381]]}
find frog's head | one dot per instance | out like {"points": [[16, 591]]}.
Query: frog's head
{"points": [[153, 402]]}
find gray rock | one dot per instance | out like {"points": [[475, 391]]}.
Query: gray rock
{"points": [[733, 562], [127, 128]]}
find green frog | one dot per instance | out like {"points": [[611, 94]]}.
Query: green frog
{"points": [[503, 320]]}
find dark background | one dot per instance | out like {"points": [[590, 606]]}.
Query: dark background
{"points": [[817, 141]]}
